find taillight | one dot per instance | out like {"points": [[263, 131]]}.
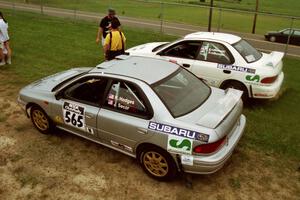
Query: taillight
{"points": [[269, 79], [209, 148]]}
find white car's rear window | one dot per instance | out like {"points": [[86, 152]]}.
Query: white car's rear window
{"points": [[247, 51]]}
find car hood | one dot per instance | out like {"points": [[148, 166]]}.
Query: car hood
{"points": [[144, 49], [215, 109], [49, 82]]}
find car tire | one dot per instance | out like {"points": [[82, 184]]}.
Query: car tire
{"points": [[40, 120], [272, 39], [157, 163], [239, 86]]}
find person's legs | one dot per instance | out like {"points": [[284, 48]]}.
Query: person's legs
{"points": [[2, 59], [8, 55]]}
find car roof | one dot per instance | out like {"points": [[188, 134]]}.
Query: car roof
{"points": [[225, 37], [149, 70]]}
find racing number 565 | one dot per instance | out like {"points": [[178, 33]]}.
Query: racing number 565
{"points": [[74, 119]]}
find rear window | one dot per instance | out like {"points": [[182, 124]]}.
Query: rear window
{"points": [[247, 51], [182, 92]]}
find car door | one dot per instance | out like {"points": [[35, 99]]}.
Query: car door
{"points": [[79, 104], [296, 38], [283, 37], [183, 52], [123, 120], [208, 61]]}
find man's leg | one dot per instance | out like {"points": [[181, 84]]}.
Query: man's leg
{"points": [[8, 55], [2, 60]]}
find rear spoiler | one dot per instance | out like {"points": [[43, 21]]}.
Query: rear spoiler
{"points": [[275, 58]]}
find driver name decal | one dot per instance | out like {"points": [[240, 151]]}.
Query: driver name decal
{"points": [[74, 115], [178, 131], [236, 68]]}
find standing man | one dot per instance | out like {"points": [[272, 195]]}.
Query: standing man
{"points": [[5, 52], [114, 43], [105, 24]]}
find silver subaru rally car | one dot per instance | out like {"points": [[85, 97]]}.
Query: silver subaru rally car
{"points": [[146, 108]]}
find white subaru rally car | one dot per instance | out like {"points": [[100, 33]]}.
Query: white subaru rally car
{"points": [[222, 60]]}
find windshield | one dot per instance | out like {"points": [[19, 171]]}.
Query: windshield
{"points": [[182, 92], [248, 52], [159, 47]]}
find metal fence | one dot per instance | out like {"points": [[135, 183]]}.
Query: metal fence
{"points": [[172, 18]]}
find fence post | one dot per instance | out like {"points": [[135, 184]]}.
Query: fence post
{"points": [[210, 14], [75, 10], [14, 7], [42, 7], [290, 34], [219, 20], [161, 16]]}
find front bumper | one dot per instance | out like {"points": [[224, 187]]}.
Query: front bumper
{"points": [[269, 91], [212, 163], [22, 105]]}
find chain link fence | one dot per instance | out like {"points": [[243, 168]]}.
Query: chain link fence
{"points": [[168, 17]]}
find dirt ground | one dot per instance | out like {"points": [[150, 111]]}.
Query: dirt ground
{"points": [[64, 166]]}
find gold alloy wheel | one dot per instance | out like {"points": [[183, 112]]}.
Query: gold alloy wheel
{"points": [[155, 163], [40, 120]]}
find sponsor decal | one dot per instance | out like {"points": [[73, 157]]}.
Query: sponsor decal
{"points": [[187, 160], [254, 78], [74, 115], [121, 146], [179, 144], [58, 119], [178, 131], [236, 68]]}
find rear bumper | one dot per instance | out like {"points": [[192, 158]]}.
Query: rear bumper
{"points": [[270, 91], [212, 163]]}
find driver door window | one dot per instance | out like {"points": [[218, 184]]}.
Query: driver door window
{"points": [[89, 90], [214, 52], [187, 50]]}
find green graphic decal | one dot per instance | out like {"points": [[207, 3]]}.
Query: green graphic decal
{"points": [[184, 143], [253, 78]]}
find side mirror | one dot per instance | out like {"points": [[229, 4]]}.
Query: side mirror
{"points": [[58, 95]]}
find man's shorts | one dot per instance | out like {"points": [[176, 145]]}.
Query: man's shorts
{"points": [[2, 45]]}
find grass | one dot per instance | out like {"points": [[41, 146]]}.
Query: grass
{"points": [[229, 20], [45, 45]]}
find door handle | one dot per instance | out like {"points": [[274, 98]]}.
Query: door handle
{"points": [[186, 65], [142, 131], [226, 71]]}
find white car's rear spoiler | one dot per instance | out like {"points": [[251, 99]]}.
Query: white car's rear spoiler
{"points": [[275, 58]]}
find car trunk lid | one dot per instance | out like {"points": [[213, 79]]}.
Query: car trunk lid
{"points": [[215, 109]]}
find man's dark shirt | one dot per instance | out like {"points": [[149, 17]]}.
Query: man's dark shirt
{"points": [[105, 22]]}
